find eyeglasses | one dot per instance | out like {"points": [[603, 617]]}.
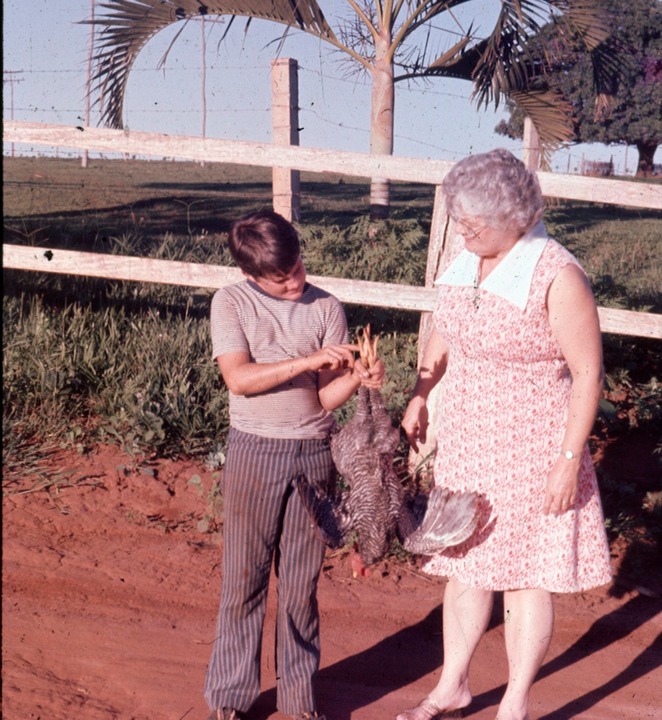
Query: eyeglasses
{"points": [[468, 230]]}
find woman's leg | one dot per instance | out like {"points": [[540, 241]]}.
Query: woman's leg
{"points": [[529, 621], [466, 615]]}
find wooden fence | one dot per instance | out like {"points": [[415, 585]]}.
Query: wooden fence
{"points": [[572, 187]]}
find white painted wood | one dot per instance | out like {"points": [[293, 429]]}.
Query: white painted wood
{"points": [[630, 322], [170, 272], [572, 187], [197, 275], [646, 195], [530, 146], [286, 182], [601, 190]]}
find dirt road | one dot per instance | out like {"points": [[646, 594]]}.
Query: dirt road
{"points": [[110, 591]]}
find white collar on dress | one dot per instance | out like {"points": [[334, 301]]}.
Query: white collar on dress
{"points": [[511, 278]]}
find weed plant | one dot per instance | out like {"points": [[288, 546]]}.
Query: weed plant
{"points": [[140, 377], [129, 362]]}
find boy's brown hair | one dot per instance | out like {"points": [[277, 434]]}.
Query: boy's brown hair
{"points": [[264, 244]]}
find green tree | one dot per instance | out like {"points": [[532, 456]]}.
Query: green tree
{"points": [[379, 36], [634, 115]]}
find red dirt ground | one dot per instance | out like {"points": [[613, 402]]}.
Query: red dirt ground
{"points": [[110, 592]]}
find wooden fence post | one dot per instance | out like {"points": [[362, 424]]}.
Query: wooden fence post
{"points": [[285, 128], [531, 143], [444, 244]]}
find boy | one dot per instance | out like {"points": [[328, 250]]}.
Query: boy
{"points": [[281, 347]]}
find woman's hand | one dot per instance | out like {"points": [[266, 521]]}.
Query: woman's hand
{"points": [[432, 368], [561, 486], [415, 422]]}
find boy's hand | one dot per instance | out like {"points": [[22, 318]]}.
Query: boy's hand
{"points": [[370, 377], [333, 357]]}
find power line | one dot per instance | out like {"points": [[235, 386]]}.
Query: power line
{"points": [[231, 68]]}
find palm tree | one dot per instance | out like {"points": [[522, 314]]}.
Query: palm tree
{"points": [[377, 35]]}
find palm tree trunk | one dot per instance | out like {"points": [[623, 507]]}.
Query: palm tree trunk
{"points": [[646, 158], [381, 121]]}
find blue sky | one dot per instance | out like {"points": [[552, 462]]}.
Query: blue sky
{"points": [[45, 54]]}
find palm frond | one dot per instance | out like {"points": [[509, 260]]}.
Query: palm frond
{"points": [[512, 62], [590, 24], [551, 115], [450, 55], [127, 25], [507, 62], [422, 12], [587, 19]]}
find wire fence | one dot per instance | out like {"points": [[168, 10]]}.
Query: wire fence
{"points": [[233, 120]]}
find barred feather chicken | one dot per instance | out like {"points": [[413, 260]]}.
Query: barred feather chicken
{"points": [[374, 506]]}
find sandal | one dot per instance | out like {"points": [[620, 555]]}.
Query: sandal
{"points": [[428, 710]]}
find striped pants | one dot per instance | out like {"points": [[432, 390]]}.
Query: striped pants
{"points": [[265, 521]]}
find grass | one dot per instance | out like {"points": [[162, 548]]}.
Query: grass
{"points": [[619, 250], [129, 362]]}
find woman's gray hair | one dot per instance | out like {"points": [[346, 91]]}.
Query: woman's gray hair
{"points": [[497, 188]]}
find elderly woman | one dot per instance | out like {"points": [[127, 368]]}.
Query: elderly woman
{"points": [[516, 349]]}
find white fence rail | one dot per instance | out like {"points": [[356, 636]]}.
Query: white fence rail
{"points": [[570, 187], [573, 187]]}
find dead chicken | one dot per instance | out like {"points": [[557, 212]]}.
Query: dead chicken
{"points": [[374, 507]]}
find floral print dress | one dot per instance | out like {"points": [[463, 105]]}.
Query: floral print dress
{"points": [[503, 407]]}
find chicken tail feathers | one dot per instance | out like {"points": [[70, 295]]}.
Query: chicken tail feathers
{"points": [[450, 518], [328, 514]]}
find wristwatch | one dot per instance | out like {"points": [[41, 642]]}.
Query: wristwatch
{"points": [[568, 455]]}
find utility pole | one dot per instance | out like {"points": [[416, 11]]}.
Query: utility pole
{"points": [[203, 44], [10, 76], [88, 79]]}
